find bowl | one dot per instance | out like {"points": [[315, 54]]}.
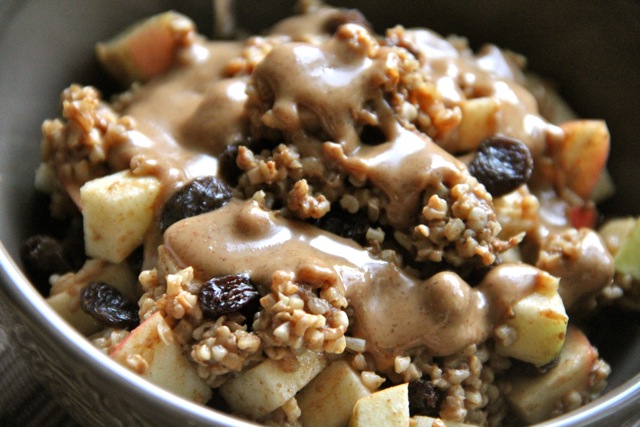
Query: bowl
{"points": [[588, 48]]}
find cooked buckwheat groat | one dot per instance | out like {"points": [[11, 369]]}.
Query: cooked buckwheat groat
{"points": [[323, 225]]}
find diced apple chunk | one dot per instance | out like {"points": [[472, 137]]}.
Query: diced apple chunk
{"points": [[147, 48], [423, 421], [384, 408], [328, 400], [117, 210], [66, 302], [151, 351], [534, 398], [627, 259], [539, 323], [479, 120], [582, 156], [67, 305], [269, 385]]}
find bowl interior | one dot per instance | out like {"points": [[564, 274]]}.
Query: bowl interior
{"points": [[588, 48]]}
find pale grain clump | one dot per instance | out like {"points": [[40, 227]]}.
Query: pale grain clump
{"points": [[465, 381], [75, 148], [458, 224], [298, 314], [223, 346]]}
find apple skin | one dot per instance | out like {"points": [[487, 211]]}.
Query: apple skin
{"points": [[151, 351], [146, 49], [627, 259], [117, 210]]}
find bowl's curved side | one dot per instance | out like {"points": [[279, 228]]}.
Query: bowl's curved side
{"points": [[97, 390]]}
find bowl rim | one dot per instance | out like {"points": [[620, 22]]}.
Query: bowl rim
{"points": [[621, 403], [618, 404]]}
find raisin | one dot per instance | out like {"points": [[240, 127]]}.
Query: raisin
{"points": [[43, 256], [107, 305], [502, 164], [424, 399], [201, 195], [372, 135], [227, 165], [339, 221], [226, 294]]}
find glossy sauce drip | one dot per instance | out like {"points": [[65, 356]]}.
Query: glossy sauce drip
{"points": [[161, 108], [393, 311], [403, 168], [309, 86], [488, 74], [340, 83], [187, 116]]}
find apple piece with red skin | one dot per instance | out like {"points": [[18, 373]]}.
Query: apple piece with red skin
{"points": [[583, 216], [146, 49], [582, 155], [151, 351]]}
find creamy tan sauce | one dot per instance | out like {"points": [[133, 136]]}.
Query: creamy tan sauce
{"points": [[187, 117], [489, 74], [403, 168], [163, 107], [393, 310]]}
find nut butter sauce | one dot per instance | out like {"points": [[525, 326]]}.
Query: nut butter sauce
{"points": [[443, 312], [335, 84]]}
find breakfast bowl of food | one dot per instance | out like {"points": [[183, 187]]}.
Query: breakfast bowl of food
{"points": [[323, 214]]}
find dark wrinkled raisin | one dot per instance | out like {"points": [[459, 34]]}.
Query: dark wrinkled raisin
{"points": [[339, 221], [41, 257], [372, 135], [424, 398], [203, 194], [107, 305], [502, 164], [224, 295], [227, 166]]}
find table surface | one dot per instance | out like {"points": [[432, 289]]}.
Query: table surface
{"points": [[23, 401]]}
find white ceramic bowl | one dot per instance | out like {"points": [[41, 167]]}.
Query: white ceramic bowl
{"points": [[589, 47]]}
